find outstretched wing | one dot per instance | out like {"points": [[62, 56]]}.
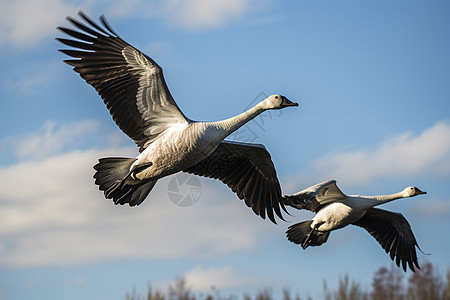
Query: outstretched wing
{"points": [[249, 171], [394, 234], [130, 83], [316, 196]]}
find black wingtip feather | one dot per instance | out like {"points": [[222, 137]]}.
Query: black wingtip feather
{"points": [[72, 62], [76, 44], [270, 211], [91, 22], [83, 27], [279, 202], [76, 34], [106, 24], [74, 53]]}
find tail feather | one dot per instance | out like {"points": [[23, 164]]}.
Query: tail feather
{"points": [[110, 170], [111, 177], [298, 233]]}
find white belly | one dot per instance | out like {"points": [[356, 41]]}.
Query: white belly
{"points": [[174, 151], [336, 215]]}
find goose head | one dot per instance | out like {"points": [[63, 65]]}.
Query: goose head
{"points": [[412, 191], [277, 102]]}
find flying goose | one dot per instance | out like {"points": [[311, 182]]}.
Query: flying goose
{"points": [[133, 89], [335, 210]]}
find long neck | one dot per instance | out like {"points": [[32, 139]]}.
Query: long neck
{"points": [[228, 126], [377, 200]]}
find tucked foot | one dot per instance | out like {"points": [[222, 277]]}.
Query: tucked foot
{"points": [[308, 239], [119, 184]]}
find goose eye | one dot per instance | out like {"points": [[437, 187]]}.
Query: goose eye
{"points": [[276, 97]]}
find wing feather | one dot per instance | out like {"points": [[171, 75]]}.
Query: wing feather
{"points": [[316, 196], [249, 171], [130, 83], [394, 234]]}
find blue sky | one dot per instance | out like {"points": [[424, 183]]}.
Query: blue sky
{"points": [[372, 82]]}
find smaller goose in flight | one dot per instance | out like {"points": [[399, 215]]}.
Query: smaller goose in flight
{"points": [[336, 210], [135, 92]]}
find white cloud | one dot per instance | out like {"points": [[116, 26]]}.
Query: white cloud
{"points": [[25, 22], [404, 155], [200, 14], [189, 14], [51, 213], [201, 279], [50, 139]]}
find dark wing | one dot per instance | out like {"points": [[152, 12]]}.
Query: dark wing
{"points": [[249, 171], [316, 196], [130, 83], [394, 234]]}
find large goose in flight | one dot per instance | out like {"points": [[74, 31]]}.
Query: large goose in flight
{"points": [[133, 89], [335, 210]]}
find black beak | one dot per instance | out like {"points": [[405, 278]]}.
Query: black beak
{"points": [[287, 102], [419, 192]]}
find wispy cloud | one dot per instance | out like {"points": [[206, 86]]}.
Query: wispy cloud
{"points": [[50, 139], [204, 14], [405, 155], [51, 212], [202, 279], [25, 22], [189, 14]]}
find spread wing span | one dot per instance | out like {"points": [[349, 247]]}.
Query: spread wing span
{"points": [[130, 83], [249, 171]]}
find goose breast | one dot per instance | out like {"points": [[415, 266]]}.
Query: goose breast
{"points": [[336, 215], [178, 148]]}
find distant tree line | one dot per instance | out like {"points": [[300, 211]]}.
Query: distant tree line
{"points": [[387, 284]]}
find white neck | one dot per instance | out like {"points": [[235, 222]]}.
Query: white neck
{"points": [[230, 125], [371, 201]]}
